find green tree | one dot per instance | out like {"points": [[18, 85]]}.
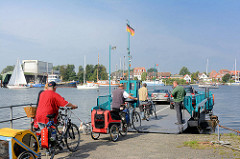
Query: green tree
{"points": [[195, 76], [70, 73], [102, 73], [144, 76], [89, 72], [7, 69], [226, 78], [63, 72], [67, 72], [184, 70], [80, 74], [135, 78], [152, 70], [0, 77]]}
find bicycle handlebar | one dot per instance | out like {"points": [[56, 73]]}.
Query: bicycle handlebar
{"points": [[66, 108]]}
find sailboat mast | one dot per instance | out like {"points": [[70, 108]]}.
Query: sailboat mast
{"points": [[98, 67], [123, 66], [47, 73], [207, 68], [235, 70], [120, 67], [84, 72]]}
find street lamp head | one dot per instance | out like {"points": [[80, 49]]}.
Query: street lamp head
{"points": [[114, 47]]}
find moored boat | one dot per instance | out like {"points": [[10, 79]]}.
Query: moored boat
{"points": [[88, 86], [56, 78], [105, 83], [17, 80]]}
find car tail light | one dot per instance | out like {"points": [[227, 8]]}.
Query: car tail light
{"points": [[166, 95], [193, 94], [152, 95], [171, 95]]}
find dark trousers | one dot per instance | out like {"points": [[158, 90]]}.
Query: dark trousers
{"points": [[178, 107]]}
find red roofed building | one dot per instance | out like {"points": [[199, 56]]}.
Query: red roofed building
{"points": [[163, 75], [137, 72], [224, 72], [213, 74]]}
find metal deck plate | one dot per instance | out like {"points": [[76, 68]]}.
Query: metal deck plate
{"points": [[166, 121]]}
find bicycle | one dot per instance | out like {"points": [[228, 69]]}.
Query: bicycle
{"points": [[70, 132], [64, 132], [149, 109], [134, 118]]}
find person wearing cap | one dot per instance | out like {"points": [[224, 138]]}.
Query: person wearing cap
{"points": [[49, 103]]}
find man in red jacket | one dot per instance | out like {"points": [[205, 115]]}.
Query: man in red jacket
{"points": [[49, 103]]}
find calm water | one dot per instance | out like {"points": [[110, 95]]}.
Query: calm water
{"points": [[227, 103]]}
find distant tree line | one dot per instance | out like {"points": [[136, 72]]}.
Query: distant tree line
{"points": [[67, 72]]}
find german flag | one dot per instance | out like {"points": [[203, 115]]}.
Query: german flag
{"points": [[130, 30]]}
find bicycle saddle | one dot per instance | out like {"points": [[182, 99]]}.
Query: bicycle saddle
{"points": [[50, 116]]}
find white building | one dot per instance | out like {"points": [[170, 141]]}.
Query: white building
{"points": [[187, 78], [37, 67], [203, 77]]}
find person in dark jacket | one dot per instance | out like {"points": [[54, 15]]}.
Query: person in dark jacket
{"points": [[178, 94]]}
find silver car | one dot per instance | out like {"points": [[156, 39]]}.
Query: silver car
{"points": [[161, 95]]}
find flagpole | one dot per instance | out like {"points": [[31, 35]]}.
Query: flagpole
{"points": [[129, 60]]}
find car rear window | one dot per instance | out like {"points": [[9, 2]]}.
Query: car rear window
{"points": [[160, 91]]}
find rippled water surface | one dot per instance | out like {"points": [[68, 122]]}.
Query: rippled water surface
{"points": [[227, 99]]}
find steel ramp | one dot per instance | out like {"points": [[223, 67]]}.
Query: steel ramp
{"points": [[165, 123]]}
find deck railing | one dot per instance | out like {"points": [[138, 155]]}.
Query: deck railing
{"points": [[11, 113]]}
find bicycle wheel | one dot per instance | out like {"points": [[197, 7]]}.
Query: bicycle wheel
{"points": [[124, 130], [26, 155], [146, 114], [72, 137], [136, 120], [95, 136], [114, 133]]}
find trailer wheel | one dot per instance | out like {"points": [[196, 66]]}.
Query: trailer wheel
{"points": [[95, 136], [26, 154], [114, 133]]}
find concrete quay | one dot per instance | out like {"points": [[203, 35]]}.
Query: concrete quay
{"points": [[159, 138], [147, 146]]}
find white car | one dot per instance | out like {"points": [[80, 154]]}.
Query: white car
{"points": [[161, 95]]}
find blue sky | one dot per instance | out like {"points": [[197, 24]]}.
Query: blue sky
{"points": [[173, 33]]}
